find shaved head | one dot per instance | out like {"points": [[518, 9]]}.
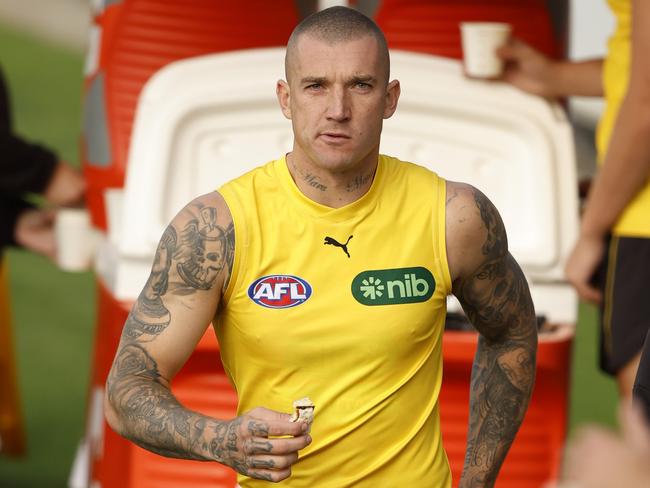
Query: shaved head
{"points": [[335, 25]]}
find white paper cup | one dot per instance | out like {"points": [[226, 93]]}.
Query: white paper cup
{"points": [[480, 41], [76, 240]]}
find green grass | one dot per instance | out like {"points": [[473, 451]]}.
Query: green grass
{"points": [[54, 311], [593, 394]]}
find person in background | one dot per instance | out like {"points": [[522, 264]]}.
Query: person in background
{"points": [[610, 263], [31, 168], [24, 168]]}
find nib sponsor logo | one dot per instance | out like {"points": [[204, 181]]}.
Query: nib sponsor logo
{"points": [[393, 286], [371, 288]]}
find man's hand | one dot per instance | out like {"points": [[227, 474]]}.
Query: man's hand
{"points": [[66, 187], [528, 69], [35, 231], [600, 458], [582, 264], [533, 72], [248, 444]]}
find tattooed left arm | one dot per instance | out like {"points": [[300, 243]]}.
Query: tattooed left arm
{"points": [[494, 294]]}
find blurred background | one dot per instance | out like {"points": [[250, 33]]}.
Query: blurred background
{"points": [[42, 46], [41, 52]]}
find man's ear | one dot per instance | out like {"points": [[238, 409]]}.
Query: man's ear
{"points": [[392, 96], [284, 97]]}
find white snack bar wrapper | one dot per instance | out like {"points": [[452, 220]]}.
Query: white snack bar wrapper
{"points": [[303, 411]]}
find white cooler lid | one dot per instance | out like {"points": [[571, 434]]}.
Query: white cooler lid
{"points": [[203, 121]]}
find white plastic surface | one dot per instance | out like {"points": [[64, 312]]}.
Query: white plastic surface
{"points": [[78, 477], [203, 121]]}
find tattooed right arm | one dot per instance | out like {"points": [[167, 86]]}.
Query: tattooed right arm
{"points": [[191, 268], [494, 294]]}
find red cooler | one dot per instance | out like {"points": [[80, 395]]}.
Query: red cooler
{"points": [[183, 92]]}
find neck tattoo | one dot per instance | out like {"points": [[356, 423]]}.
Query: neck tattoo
{"points": [[312, 181], [358, 182]]}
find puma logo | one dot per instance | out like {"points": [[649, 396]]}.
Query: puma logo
{"points": [[330, 241]]}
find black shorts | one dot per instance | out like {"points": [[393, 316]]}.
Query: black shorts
{"points": [[624, 279]]}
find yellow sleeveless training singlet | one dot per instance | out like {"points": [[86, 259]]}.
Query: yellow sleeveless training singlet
{"points": [[635, 219], [346, 306]]}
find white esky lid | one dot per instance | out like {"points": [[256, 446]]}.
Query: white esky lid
{"points": [[203, 121]]}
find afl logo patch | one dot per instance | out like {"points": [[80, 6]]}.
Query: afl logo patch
{"points": [[279, 291]]}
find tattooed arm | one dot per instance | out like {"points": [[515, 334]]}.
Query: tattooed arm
{"points": [[191, 269], [494, 294]]}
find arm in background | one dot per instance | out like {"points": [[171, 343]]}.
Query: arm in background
{"points": [[626, 168]]}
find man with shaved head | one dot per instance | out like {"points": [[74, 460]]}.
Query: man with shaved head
{"points": [[325, 273], [336, 25]]}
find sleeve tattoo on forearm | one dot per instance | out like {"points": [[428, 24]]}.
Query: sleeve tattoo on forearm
{"points": [[497, 301], [159, 423], [156, 421]]}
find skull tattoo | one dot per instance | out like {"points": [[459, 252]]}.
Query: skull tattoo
{"points": [[201, 254]]}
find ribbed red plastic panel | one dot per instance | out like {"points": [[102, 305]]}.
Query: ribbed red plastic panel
{"points": [[153, 33], [432, 26], [141, 36]]}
